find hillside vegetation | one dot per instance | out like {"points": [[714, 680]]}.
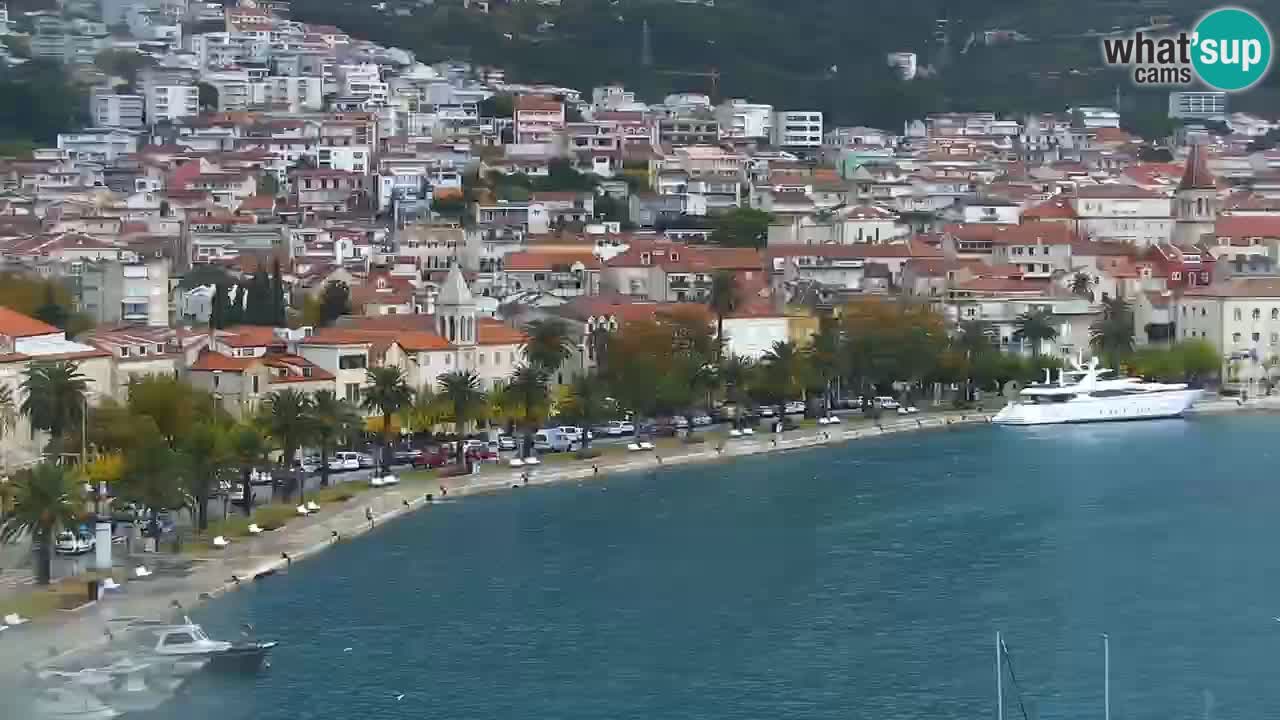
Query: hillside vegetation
{"points": [[810, 54]]}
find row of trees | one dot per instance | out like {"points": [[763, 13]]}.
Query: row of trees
{"points": [[260, 301]]}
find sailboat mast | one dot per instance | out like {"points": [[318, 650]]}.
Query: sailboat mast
{"points": [[999, 680], [1106, 680]]}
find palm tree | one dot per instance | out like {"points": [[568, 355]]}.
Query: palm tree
{"points": [[206, 449], [1036, 327], [427, 411], [331, 418], [287, 415], [386, 395], [548, 345], [45, 500], [1112, 334], [826, 355], [529, 385], [973, 340], [598, 343], [54, 396], [461, 389], [587, 403], [249, 449], [787, 368], [1082, 285], [736, 374], [723, 300]]}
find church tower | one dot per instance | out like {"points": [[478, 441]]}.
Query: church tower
{"points": [[456, 310], [1195, 204]]}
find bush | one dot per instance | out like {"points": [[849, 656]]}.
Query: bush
{"points": [[335, 494], [587, 454], [233, 526], [694, 440], [274, 517]]}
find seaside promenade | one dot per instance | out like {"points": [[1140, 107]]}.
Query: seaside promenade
{"points": [[205, 572]]}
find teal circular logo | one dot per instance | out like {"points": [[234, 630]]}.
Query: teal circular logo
{"points": [[1231, 49]]}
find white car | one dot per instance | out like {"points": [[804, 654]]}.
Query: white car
{"points": [[912, 410], [795, 407], [702, 420], [572, 432], [347, 460], [767, 411], [72, 543], [618, 428], [364, 460], [682, 422], [506, 442], [886, 403]]}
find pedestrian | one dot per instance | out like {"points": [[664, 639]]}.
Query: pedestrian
{"points": [[333, 534], [429, 498], [288, 561], [525, 478], [404, 502], [368, 515], [443, 491], [595, 469]]}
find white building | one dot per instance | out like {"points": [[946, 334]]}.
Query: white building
{"points": [[171, 102], [800, 129], [1097, 117], [295, 93], [4, 18], [1198, 106], [1240, 317], [104, 145], [112, 110], [741, 119], [906, 64], [1123, 213]]}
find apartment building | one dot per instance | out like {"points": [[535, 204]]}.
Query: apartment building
{"points": [[172, 102], [797, 129], [742, 119], [111, 110], [537, 119]]}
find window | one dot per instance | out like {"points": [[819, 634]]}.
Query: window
{"points": [[1275, 338], [1257, 314], [1184, 311], [1175, 275], [352, 362], [353, 392], [1237, 314], [481, 358], [177, 639], [216, 378], [1235, 337], [1257, 337], [1275, 313]]}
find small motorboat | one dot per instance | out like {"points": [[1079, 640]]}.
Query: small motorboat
{"points": [[187, 644]]}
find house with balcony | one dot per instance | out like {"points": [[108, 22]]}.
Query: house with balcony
{"points": [[537, 119], [562, 274], [665, 272], [322, 190]]}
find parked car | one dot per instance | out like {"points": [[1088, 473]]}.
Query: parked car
{"points": [[506, 442], [431, 457], [552, 440], [309, 464], [364, 460], [767, 411], [681, 422], [619, 428], [574, 432], [885, 402], [701, 420], [795, 407], [347, 459], [74, 543], [405, 457]]}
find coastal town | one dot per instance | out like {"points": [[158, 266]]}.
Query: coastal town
{"points": [[288, 276]]}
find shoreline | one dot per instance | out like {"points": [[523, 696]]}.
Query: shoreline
{"points": [[218, 573]]}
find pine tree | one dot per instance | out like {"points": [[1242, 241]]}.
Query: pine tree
{"points": [[258, 309], [278, 318], [218, 308], [235, 311]]}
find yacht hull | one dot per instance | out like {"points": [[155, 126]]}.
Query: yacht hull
{"points": [[1085, 409]]}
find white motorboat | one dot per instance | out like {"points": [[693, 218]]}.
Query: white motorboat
{"points": [[188, 647], [1086, 395]]}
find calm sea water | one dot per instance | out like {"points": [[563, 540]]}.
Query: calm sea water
{"points": [[864, 581]]}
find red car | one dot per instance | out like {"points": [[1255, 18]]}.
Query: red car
{"points": [[432, 457]]}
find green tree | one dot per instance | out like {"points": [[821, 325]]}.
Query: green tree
{"points": [[387, 394], [278, 304], [54, 397], [124, 64], [498, 106], [1037, 328], [1111, 335], [219, 307], [1082, 285], [173, 405], [826, 355], [461, 390], [153, 475], [40, 101], [1200, 360], [235, 307], [45, 500], [207, 451], [586, 403], [529, 385], [287, 415], [249, 449], [723, 301], [786, 370], [208, 97], [331, 418], [335, 301], [742, 227], [51, 311], [549, 344]]}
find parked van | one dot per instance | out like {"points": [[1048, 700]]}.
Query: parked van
{"points": [[552, 440], [349, 460]]}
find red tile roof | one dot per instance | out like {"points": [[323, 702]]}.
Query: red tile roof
{"points": [[1102, 192], [15, 324], [211, 361], [249, 336], [530, 261], [1054, 209], [1247, 226], [1198, 176]]}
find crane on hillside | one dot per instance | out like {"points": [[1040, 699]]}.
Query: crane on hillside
{"points": [[712, 74]]}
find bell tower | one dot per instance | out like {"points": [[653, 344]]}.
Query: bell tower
{"points": [[1195, 204], [456, 310]]}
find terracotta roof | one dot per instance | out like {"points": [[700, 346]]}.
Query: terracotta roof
{"points": [[15, 324], [1054, 209], [529, 261], [421, 341], [537, 102], [683, 258], [258, 202], [1003, 285], [1033, 233], [1240, 287], [249, 336], [210, 361], [1198, 176], [1247, 226], [493, 332], [344, 336], [1098, 247], [856, 251]]}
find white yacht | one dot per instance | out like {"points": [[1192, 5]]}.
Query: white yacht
{"points": [[1085, 395]]}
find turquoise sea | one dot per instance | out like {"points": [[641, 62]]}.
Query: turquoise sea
{"points": [[864, 581]]}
